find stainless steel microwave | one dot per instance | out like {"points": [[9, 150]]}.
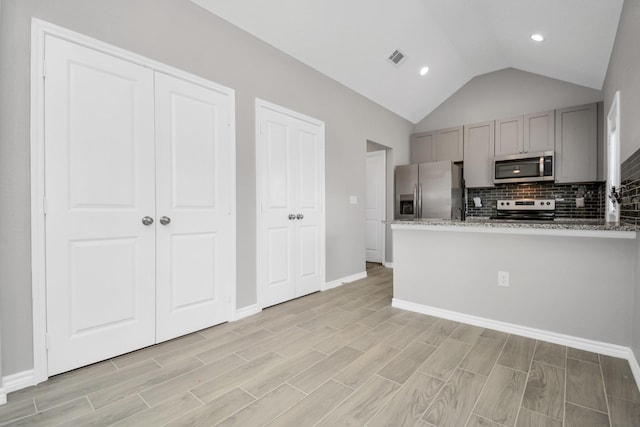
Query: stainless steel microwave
{"points": [[527, 167]]}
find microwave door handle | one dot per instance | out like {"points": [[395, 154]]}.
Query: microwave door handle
{"points": [[415, 201], [541, 166]]}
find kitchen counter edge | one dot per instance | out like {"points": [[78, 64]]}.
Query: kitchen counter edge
{"points": [[574, 229]]}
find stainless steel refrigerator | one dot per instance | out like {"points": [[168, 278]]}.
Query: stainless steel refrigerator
{"points": [[429, 190]]}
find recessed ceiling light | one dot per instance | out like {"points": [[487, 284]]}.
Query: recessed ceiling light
{"points": [[424, 70], [537, 37]]}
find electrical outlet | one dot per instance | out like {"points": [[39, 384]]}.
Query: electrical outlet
{"points": [[503, 279]]}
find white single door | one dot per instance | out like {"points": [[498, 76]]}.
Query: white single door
{"points": [[195, 228], [99, 162], [290, 150], [375, 206]]}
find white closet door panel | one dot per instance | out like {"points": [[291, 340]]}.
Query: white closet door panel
{"points": [[99, 146], [307, 258], [278, 173], [193, 180], [309, 206], [308, 165], [278, 280], [194, 259], [278, 234]]}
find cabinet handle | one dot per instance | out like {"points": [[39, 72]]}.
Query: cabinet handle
{"points": [[165, 220], [299, 216], [292, 217], [147, 220]]}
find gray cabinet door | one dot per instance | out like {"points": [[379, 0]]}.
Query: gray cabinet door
{"points": [[478, 154], [422, 147], [539, 131], [509, 136], [448, 144], [576, 144]]}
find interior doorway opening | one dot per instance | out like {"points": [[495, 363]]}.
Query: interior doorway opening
{"points": [[378, 207]]}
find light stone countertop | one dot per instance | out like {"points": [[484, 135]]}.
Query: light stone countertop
{"points": [[558, 227]]}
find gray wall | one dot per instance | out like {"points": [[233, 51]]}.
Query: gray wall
{"points": [[178, 33], [578, 286], [505, 93], [623, 74]]}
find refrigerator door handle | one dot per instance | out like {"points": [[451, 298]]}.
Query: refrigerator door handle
{"points": [[415, 201], [419, 212]]}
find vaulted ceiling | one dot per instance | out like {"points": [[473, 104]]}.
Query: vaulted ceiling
{"points": [[351, 40]]}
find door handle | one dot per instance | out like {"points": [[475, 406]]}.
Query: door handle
{"points": [[299, 216], [147, 220], [165, 220], [292, 217]]}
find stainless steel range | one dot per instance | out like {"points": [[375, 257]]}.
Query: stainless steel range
{"points": [[526, 210]]}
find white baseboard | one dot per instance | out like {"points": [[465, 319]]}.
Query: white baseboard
{"points": [[388, 264], [247, 311], [525, 331], [635, 368], [342, 281], [15, 382]]}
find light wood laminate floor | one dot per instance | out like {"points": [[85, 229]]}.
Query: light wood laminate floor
{"points": [[340, 357]]}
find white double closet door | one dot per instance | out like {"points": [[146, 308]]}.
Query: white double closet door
{"points": [[291, 174], [138, 196]]}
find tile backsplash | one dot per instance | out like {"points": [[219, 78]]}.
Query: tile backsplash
{"points": [[630, 180], [564, 194]]}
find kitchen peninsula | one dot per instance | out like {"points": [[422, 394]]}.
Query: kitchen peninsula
{"points": [[560, 281]]}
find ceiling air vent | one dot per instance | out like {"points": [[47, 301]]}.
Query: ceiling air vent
{"points": [[397, 58]]}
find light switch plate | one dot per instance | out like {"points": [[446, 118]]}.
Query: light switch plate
{"points": [[353, 200], [503, 279]]}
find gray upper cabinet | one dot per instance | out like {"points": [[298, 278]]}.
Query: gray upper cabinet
{"points": [[422, 150], [577, 144], [449, 145], [539, 132], [478, 154], [509, 136], [444, 144], [525, 134]]}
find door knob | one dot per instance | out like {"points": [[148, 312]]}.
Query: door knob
{"points": [[299, 216], [164, 220], [292, 217], [147, 220]]}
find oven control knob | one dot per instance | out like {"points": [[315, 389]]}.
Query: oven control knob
{"points": [[548, 203], [508, 203], [541, 203]]}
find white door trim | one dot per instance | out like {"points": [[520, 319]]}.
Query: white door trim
{"points": [[260, 105], [39, 30], [383, 200], [612, 215]]}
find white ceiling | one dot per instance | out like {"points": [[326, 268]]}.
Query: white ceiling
{"points": [[350, 40]]}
